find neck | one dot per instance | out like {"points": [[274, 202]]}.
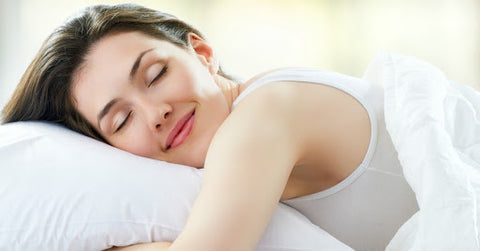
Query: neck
{"points": [[229, 88]]}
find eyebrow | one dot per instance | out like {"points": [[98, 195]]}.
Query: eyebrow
{"points": [[112, 102], [105, 110], [136, 65]]}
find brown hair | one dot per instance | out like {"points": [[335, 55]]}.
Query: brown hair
{"points": [[44, 91]]}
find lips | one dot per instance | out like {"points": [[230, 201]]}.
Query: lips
{"points": [[181, 131]]}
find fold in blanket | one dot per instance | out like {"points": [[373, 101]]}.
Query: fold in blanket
{"points": [[435, 127]]}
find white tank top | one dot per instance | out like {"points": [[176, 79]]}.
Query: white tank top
{"points": [[367, 208]]}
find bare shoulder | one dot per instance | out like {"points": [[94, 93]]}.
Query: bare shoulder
{"points": [[273, 102], [275, 106], [264, 118], [270, 95], [319, 117]]}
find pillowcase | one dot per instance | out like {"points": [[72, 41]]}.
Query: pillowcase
{"points": [[60, 190]]}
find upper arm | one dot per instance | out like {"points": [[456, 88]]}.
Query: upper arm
{"points": [[246, 170]]}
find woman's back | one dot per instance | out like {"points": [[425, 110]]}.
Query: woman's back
{"points": [[331, 115], [353, 187]]}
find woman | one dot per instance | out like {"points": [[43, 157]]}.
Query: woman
{"points": [[148, 83]]}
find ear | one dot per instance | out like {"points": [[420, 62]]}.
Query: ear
{"points": [[203, 51]]}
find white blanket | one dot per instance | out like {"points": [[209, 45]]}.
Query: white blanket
{"points": [[435, 127]]}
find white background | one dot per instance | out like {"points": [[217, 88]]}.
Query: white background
{"points": [[251, 36]]}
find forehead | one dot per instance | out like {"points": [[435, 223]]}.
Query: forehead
{"points": [[124, 46]]}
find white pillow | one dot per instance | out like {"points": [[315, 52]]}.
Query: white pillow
{"points": [[60, 190]]}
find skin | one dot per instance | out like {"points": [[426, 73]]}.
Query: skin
{"points": [[273, 146]]}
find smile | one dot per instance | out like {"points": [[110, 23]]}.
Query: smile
{"points": [[181, 131]]}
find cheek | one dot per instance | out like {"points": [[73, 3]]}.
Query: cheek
{"points": [[141, 148], [139, 143]]}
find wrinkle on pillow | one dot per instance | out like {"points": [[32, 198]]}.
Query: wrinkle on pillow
{"points": [[60, 190]]}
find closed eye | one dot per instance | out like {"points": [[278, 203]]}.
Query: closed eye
{"points": [[124, 122], [162, 72]]}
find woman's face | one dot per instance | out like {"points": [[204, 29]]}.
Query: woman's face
{"points": [[152, 98]]}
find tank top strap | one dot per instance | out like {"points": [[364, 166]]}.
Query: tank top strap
{"points": [[290, 74]]}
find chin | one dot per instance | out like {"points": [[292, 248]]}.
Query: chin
{"points": [[198, 158], [198, 163]]}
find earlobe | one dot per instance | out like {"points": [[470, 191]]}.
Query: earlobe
{"points": [[204, 52]]}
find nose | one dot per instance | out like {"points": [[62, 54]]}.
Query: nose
{"points": [[158, 116], [158, 124]]}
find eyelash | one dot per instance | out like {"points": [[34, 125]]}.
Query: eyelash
{"points": [[162, 72], [124, 122]]}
